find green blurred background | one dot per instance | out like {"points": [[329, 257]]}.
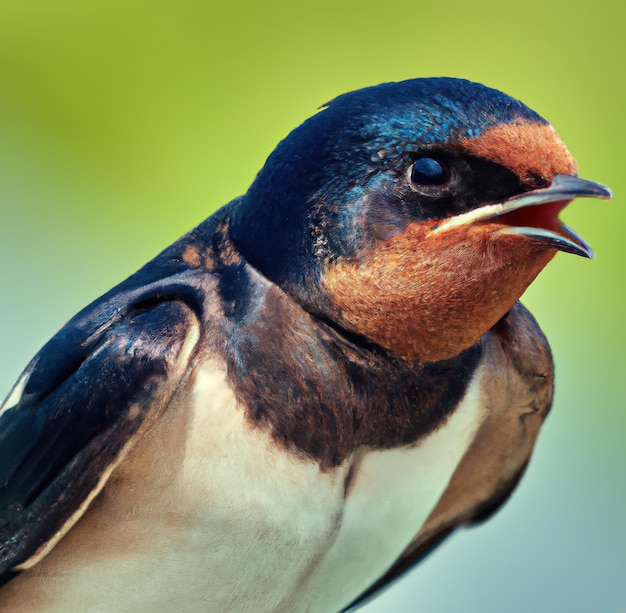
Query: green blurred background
{"points": [[124, 123]]}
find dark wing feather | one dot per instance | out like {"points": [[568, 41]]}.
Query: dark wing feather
{"points": [[78, 406]]}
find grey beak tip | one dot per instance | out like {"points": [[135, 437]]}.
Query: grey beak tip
{"points": [[576, 186]]}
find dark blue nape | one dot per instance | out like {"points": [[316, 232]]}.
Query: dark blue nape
{"points": [[328, 161]]}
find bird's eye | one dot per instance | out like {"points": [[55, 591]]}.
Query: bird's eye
{"points": [[429, 171]]}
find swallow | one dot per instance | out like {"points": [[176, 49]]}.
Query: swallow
{"points": [[290, 405]]}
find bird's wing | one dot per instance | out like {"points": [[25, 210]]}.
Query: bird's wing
{"points": [[79, 406], [517, 389]]}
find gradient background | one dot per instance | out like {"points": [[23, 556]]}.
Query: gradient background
{"points": [[124, 123]]}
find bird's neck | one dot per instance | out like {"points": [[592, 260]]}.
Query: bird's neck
{"points": [[300, 384]]}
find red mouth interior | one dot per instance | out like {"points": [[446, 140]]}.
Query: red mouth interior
{"points": [[545, 216]]}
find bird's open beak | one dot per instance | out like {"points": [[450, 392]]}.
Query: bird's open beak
{"points": [[535, 214]]}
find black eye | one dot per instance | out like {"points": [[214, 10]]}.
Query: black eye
{"points": [[429, 171]]}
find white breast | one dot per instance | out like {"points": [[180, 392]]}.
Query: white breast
{"points": [[208, 514], [392, 494]]}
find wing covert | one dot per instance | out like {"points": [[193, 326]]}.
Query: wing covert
{"points": [[76, 410]]}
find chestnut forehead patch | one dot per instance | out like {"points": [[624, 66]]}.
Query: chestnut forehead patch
{"points": [[534, 151]]}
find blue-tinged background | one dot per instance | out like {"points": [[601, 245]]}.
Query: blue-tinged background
{"points": [[123, 123]]}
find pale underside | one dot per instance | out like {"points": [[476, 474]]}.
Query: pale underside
{"points": [[208, 514]]}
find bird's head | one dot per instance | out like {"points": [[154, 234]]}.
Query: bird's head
{"points": [[414, 214]]}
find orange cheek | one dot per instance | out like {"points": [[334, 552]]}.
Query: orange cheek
{"points": [[428, 296]]}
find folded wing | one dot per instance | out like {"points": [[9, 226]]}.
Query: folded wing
{"points": [[78, 408]]}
